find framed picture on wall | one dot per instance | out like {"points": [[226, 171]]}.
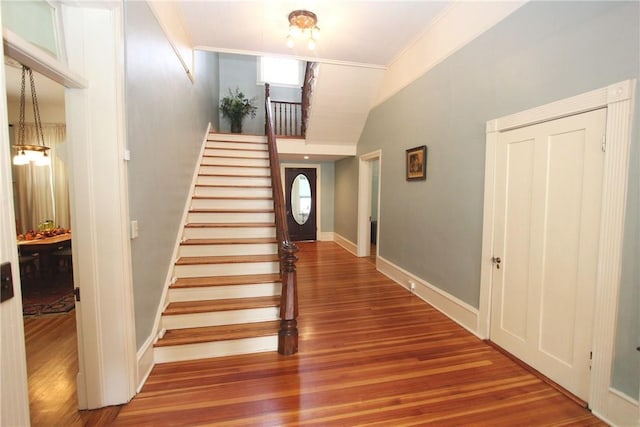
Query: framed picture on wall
{"points": [[417, 163]]}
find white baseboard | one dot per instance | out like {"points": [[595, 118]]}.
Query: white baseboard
{"points": [[145, 362], [326, 236], [621, 410], [457, 310], [347, 244]]}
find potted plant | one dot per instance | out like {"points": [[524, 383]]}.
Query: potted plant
{"points": [[235, 107]]}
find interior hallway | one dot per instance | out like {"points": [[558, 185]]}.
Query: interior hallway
{"points": [[370, 353]]}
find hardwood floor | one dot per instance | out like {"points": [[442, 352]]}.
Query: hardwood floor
{"points": [[52, 366], [371, 353]]}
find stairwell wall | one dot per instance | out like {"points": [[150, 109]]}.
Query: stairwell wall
{"points": [[543, 52], [167, 117]]}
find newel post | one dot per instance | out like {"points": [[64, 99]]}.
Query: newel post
{"points": [[288, 333]]}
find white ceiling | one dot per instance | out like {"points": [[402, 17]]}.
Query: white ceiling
{"points": [[361, 32]]}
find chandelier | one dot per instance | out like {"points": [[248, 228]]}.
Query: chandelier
{"points": [[303, 25], [38, 152]]}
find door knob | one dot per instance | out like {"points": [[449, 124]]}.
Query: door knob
{"points": [[496, 261]]}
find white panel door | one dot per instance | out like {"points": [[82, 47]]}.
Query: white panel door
{"points": [[547, 204]]}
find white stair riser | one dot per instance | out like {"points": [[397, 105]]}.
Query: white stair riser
{"points": [[228, 250], [235, 152], [232, 192], [180, 353], [232, 204], [228, 232], [224, 161], [226, 217], [232, 269], [218, 318], [236, 137], [234, 145], [234, 170], [233, 180], [224, 292]]}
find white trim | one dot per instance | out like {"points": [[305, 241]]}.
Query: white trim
{"points": [[145, 357], [98, 183], [622, 409], [326, 236], [457, 310], [170, 20], [364, 200], [345, 243], [301, 58], [618, 99], [35, 58], [318, 168]]}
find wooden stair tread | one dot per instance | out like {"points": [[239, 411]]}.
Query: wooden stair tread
{"points": [[226, 259], [229, 224], [231, 198], [234, 166], [232, 186], [246, 279], [236, 157], [236, 142], [203, 210], [238, 241], [206, 306], [218, 333], [232, 175]]}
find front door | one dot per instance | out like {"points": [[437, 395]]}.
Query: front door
{"points": [[548, 203], [300, 192]]}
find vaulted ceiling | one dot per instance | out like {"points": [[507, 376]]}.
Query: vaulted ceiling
{"points": [[361, 32]]}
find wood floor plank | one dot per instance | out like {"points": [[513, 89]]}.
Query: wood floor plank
{"points": [[371, 353], [52, 366]]}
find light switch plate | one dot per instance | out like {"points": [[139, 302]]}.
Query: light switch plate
{"points": [[6, 282]]}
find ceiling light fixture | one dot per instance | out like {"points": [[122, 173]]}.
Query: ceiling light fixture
{"points": [[303, 25], [38, 152]]}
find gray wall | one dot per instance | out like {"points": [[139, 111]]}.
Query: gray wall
{"points": [[544, 52], [242, 71], [167, 117]]}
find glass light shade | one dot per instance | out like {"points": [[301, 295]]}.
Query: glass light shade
{"points": [[43, 160], [315, 33], [32, 155], [290, 41], [294, 31], [20, 159], [311, 44]]}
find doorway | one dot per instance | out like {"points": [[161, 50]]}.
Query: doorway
{"points": [[370, 171], [548, 201], [300, 194], [41, 195], [618, 101]]}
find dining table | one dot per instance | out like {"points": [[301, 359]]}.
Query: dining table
{"points": [[45, 246]]}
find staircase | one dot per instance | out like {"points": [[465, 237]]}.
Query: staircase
{"points": [[225, 295]]}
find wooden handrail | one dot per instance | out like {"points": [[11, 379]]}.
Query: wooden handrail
{"points": [[288, 333]]}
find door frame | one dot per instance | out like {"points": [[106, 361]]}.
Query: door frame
{"points": [[318, 168], [94, 103], [619, 101], [365, 172], [292, 222]]}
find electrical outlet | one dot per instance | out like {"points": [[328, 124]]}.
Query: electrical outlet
{"points": [[412, 286], [6, 282]]}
